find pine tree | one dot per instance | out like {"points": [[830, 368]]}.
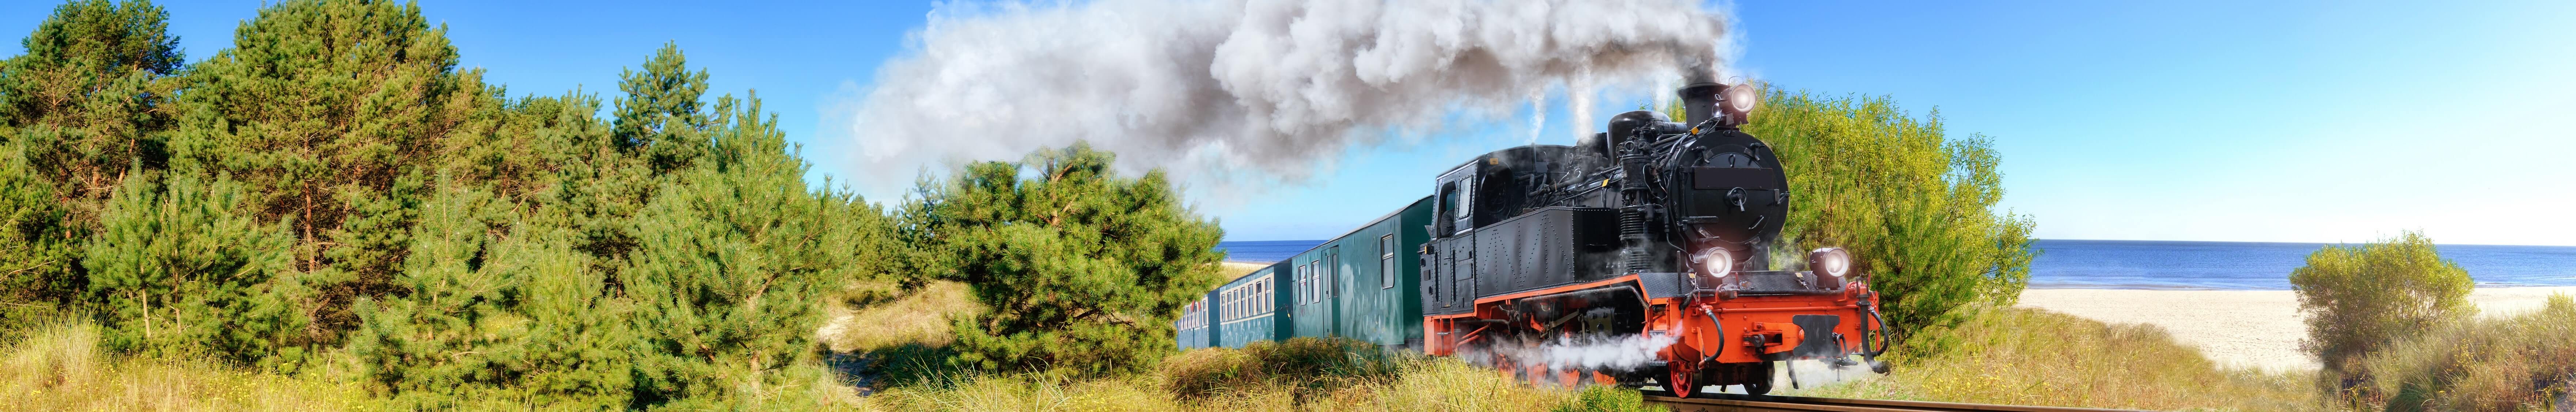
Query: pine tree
{"points": [[179, 271], [79, 112], [499, 311], [1083, 270], [328, 110], [94, 77], [733, 258], [38, 248], [659, 117]]}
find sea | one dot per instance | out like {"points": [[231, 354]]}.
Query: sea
{"points": [[2183, 265]]}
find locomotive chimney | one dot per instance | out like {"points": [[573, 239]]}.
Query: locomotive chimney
{"points": [[1699, 101]]}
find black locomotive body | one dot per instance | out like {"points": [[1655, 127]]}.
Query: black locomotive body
{"points": [[1653, 228]]}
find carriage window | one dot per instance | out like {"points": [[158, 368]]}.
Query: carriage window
{"points": [[1305, 284], [1315, 271], [1385, 261], [1332, 271]]}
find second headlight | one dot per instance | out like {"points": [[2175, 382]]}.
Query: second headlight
{"points": [[1740, 100], [1714, 262], [1832, 261]]}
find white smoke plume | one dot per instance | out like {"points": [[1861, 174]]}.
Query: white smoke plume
{"points": [[1213, 89], [1816, 373], [1605, 353]]}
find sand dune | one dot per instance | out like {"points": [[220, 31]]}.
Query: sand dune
{"points": [[2241, 328]]}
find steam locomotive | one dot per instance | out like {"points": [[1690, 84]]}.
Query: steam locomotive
{"points": [[1653, 230]]}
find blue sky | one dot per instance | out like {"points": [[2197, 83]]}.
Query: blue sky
{"points": [[2198, 120]]}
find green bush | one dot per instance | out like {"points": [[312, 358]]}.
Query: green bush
{"points": [[2524, 362], [2361, 298], [1915, 207], [1083, 269]]}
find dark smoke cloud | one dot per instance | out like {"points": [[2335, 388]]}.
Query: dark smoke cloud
{"points": [[1212, 89]]}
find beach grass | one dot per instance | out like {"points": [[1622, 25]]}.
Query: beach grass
{"points": [[2025, 356], [2512, 363], [58, 366], [915, 317], [1236, 270]]}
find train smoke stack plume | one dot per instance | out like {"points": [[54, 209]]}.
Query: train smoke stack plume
{"points": [[1251, 85]]}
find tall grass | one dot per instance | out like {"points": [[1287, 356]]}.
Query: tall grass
{"points": [[1303, 374], [1235, 270], [2522, 362], [1305, 366], [58, 367], [916, 317], [2034, 357]]}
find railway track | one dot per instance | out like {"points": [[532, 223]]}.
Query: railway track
{"points": [[1734, 402]]}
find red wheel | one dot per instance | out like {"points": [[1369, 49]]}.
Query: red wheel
{"points": [[1678, 381]]}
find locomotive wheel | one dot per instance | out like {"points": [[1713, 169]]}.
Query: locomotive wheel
{"points": [[1679, 382], [1761, 383]]}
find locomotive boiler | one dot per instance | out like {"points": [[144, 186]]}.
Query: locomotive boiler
{"points": [[1651, 229]]}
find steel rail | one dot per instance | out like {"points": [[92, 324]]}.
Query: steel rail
{"points": [[1738, 402]]}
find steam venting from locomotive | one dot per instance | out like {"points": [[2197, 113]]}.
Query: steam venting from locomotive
{"points": [[1217, 90], [1580, 352]]}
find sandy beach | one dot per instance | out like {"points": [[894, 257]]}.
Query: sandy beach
{"points": [[2240, 328]]}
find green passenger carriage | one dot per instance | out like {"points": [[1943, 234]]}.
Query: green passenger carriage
{"points": [[1361, 285]]}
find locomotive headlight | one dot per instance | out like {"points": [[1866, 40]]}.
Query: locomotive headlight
{"points": [[1714, 262], [1741, 98], [1832, 261]]}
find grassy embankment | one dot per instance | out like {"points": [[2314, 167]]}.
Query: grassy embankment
{"points": [[59, 366], [2028, 356]]}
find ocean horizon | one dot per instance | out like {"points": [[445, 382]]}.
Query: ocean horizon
{"points": [[2169, 264]]}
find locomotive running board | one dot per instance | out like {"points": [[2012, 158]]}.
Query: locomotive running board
{"points": [[1628, 278]]}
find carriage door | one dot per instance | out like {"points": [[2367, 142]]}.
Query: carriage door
{"points": [[1332, 269]]}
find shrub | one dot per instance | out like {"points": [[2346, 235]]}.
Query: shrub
{"points": [[1915, 207], [1083, 270], [2519, 363], [2360, 298]]}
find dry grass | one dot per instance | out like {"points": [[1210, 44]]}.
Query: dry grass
{"points": [[1236, 270], [2035, 357], [881, 318], [917, 317], [58, 367], [2521, 362], [1432, 385]]}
